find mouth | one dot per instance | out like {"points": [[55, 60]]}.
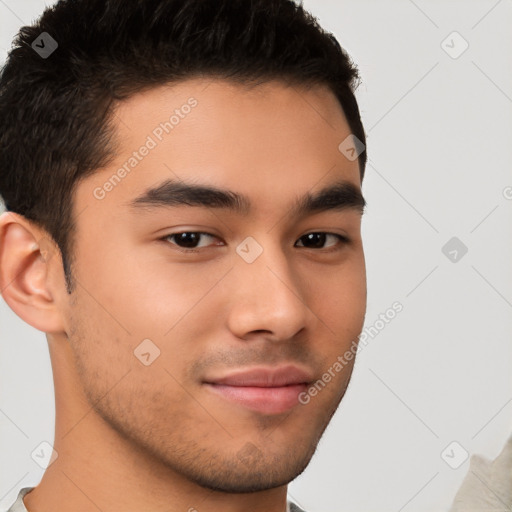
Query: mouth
{"points": [[263, 390]]}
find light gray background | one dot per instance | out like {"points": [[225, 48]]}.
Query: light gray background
{"points": [[440, 153]]}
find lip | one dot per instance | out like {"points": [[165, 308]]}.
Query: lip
{"points": [[264, 390]]}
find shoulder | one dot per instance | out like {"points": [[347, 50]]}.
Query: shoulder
{"points": [[486, 485], [18, 505], [295, 508]]}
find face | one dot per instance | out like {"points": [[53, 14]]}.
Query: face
{"points": [[205, 326]]}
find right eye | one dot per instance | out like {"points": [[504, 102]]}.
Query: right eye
{"points": [[187, 241]]}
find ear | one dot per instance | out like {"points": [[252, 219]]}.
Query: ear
{"points": [[30, 279]]}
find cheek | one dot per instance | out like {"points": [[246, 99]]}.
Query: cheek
{"points": [[99, 345], [340, 298], [144, 320], [114, 378], [155, 294]]}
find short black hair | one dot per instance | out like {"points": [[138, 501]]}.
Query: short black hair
{"points": [[56, 123]]}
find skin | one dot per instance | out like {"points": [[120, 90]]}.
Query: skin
{"points": [[133, 437]]}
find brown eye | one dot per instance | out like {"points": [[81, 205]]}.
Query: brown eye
{"points": [[317, 240], [188, 239]]}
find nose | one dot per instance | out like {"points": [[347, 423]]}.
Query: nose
{"points": [[269, 298]]}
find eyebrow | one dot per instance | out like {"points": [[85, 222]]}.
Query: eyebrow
{"points": [[341, 195]]}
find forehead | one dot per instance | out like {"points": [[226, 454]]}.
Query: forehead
{"points": [[269, 141]]}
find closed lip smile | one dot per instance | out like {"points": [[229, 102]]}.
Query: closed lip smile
{"points": [[270, 390]]}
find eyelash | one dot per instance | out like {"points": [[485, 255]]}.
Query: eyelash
{"points": [[341, 238]]}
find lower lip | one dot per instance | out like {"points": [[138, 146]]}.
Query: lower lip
{"points": [[273, 400]]}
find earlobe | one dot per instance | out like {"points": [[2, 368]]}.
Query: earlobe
{"points": [[26, 284]]}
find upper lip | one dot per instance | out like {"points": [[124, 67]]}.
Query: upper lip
{"points": [[265, 377]]}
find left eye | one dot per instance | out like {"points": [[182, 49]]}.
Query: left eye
{"points": [[320, 237], [189, 240]]}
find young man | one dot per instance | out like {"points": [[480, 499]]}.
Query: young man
{"points": [[182, 181]]}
